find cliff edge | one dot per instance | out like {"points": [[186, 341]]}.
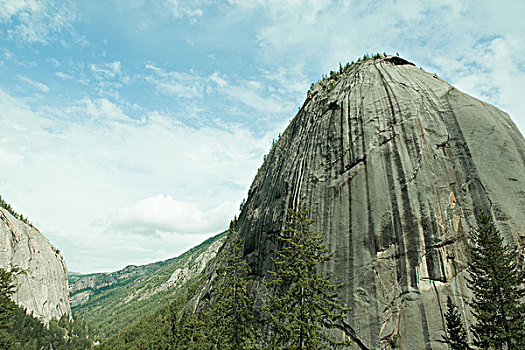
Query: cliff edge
{"points": [[42, 286]]}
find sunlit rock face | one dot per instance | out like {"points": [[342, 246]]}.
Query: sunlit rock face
{"points": [[42, 287], [394, 164]]}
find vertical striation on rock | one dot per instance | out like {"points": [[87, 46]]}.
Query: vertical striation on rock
{"points": [[394, 164], [42, 287]]}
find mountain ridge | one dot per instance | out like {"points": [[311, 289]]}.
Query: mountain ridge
{"points": [[111, 301]]}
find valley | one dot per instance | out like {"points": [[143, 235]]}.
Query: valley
{"points": [[366, 207]]}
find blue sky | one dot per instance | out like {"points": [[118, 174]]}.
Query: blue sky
{"points": [[131, 130]]}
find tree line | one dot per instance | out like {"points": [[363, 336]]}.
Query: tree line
{"points": [[9, 208], [22, 331], [300, 307], [300, 310]]}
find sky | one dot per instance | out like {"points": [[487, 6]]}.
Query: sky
{"points": [[130, 130]]}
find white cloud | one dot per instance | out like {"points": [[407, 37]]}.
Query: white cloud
{"points": [[36, 20], [254, 94], [491, 72], [107, 70], [63, 75], [53, 61], [109, 78], [178, 84], [448, 37], [103, 108], [291, 78], [249, 96], [189, 9], [9, 8], [164, 214], [72, 166], [215, 77], [34, 84]]}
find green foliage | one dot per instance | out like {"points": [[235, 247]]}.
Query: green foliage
{"points": [[18, 330], [106, 312], [329, 80], [274, 142], [61, 334], [8, 207], [225, 320], [496, 282], [229, 311], [194, 331], [243, 203], [7, 289], [161, 329], [304, 305], [456, 335]]}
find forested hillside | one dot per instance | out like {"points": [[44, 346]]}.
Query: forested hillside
{"points": [[111, 301]]}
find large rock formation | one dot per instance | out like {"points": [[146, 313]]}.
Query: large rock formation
{"points": [[42, 282], [394, 164]]}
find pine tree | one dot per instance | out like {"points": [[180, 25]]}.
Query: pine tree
{"points": [[230, 309], [170, 322], [456, 335], [7, 306], [304, 304], [497, 284], [194, 333]]}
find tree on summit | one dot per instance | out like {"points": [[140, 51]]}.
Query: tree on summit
{"points": [[304, 304]]}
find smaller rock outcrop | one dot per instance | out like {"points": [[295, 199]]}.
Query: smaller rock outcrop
{"points": [[42, 287]]}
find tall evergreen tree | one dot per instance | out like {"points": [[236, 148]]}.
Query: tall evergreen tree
{"points": [[456, 335], [230, 309], [194, 333], [497, 284], [7, 306], [170, 321], [304, 304]]}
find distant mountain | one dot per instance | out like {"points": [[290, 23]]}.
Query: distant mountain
{"points": [[111, 301], [41, 283]]}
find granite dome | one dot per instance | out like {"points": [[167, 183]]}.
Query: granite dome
{"points": [[395, 164]]}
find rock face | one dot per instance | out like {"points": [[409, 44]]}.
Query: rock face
{"points": [[394, 164], [42, 286]]}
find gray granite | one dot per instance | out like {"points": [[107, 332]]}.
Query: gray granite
{"points": [[394, 164], [42, 287]]}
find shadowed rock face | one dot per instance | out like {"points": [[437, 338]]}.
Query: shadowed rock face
{"points": [[394, 164], [42, 287]]}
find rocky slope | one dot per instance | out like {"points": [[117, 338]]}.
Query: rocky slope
{"points": [[394, 164], [112, 301], [42, 286]]}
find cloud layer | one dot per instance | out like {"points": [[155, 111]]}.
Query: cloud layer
{"points": [[75, 167], [131, 130]]}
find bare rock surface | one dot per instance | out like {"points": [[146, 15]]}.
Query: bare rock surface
{"points": [[394, 164], [42, 286]]}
